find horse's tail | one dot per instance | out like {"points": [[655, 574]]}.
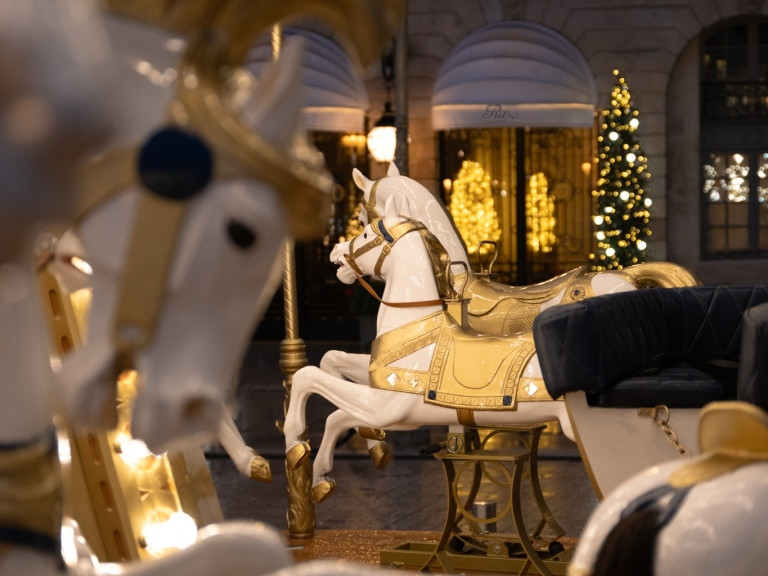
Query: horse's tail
{"points": [[660, 275], [630, 548]]}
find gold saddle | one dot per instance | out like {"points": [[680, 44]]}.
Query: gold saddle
{"points": [[468, 370]]}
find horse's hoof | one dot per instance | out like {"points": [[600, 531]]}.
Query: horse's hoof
{"points": [[323, 489], [296, 456], [380, 455], [372, 433], [260, 468]]}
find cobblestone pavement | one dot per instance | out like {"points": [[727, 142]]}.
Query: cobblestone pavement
{"points": [[410, 494]]}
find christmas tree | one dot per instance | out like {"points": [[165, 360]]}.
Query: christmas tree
{"points": [[472, 206], [622, 215]]}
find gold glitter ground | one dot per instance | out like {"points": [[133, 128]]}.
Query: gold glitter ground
{"points": [[361, 546], [365, 546]]}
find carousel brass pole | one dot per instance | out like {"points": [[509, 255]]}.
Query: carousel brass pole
{"points": [[293, 355]]}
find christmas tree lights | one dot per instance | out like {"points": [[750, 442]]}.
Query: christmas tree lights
{"points": [[622, 215], [472, 207]]}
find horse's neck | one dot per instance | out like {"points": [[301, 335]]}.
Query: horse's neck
{"points": [[409, 280], [432, 212], [25, 377]]}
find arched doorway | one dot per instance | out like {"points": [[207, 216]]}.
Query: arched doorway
{"points": [[518, 99]]}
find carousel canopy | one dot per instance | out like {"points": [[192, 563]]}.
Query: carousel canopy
{"points": [[335, 98], [514, 74]]}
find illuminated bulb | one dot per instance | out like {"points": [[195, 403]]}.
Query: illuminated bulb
{"points": [[634, 123], [177, 532], [613, 136], [600, 235], [598, 220], [134, 452], [631, 157], [647, 202], [641, 244], [610, 252], [81, 265], [624, 195]]}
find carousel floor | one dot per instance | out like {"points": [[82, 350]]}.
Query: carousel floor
{"points": [[371, 510]]}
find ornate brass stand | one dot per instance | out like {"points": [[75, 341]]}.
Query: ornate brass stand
{"points": [[469, 540]]}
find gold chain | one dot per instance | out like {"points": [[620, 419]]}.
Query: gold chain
{"points": [[660, 416]]}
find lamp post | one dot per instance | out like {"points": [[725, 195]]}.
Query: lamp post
{"points": [[293, 356]]}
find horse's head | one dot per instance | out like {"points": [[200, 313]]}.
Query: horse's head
{"points": [[183, 228], [369, 252], [425, 206]]}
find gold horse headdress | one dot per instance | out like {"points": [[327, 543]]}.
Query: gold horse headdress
{"points": [[219, 34]]}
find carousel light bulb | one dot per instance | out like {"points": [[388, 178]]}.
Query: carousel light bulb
{"points": [[175, 532], [134, 452]]}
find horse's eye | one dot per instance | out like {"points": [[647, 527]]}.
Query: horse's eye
{"points": [[365, 235], [240, 234]]}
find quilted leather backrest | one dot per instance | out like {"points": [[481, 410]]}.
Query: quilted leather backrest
{"points": [[594, 344], [753, 368]]}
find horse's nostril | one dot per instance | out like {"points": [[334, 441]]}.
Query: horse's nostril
{"points": [[197, 410]]}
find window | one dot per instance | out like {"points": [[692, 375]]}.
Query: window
{"points": [[734, 136]]}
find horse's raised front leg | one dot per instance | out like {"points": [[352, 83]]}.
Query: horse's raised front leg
{"points": [[246, 459], [335, 425], [353, 367], [374, 407]]}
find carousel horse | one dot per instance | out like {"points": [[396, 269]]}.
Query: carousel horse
{"points": [[51, 104], [492, 307], [425, 369], [702, 516]]}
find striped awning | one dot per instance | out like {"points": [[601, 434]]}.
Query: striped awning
{"points": [[335, 98]]}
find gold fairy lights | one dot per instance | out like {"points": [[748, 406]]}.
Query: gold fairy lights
{"points": [[540, 210], [622, 207], [472, 207]]}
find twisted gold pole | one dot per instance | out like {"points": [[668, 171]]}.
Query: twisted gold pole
{"points": [[293, 355]]}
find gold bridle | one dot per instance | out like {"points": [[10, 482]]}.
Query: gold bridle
{"points": [[388, 237]]}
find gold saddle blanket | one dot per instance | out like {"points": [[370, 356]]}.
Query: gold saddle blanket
{"points": [[468, 370]]}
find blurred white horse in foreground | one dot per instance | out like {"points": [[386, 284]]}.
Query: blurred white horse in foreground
{"points": [[188, 186]]}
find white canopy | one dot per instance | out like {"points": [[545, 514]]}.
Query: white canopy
{"points": [[514, 74], [335, 98]]}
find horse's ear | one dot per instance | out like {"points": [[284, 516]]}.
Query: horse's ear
{"points": [[390, 209], [360, 180], [405, 207], [392, 170], [274, 107]]}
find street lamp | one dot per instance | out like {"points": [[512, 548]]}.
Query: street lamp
{"points": [[382, 139]]}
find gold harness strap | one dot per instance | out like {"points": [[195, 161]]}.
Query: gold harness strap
{"points": [[388, 237]]}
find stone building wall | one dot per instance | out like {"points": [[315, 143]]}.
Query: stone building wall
{"points": [[653, 44]]}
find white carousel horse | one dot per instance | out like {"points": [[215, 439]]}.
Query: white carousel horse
{"points": [[415, 338], [50, 110], [702, 516]]}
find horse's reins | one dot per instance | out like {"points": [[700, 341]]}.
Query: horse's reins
{"points": [[390, 237]]}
